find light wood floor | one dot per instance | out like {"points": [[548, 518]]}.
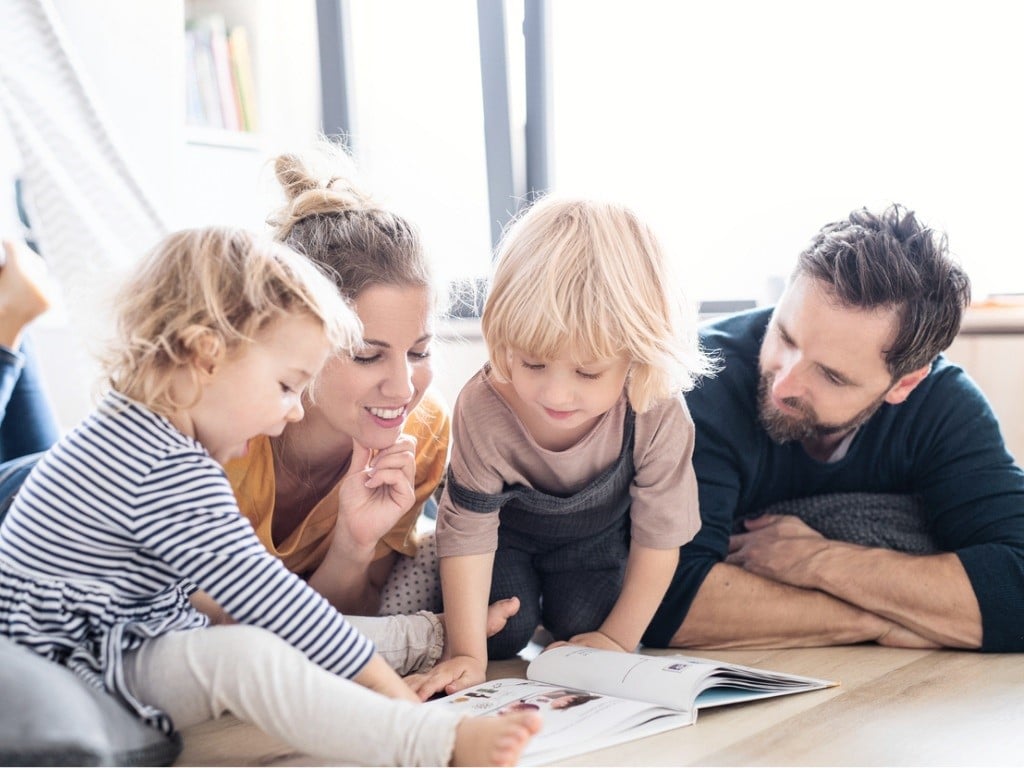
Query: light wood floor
{"points": [[894, 707]]}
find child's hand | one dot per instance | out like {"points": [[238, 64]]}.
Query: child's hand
{"points": [[375, 493], [379, 677], [448, 677], [591, 640]]}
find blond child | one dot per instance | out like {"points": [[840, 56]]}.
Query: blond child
{"points": [[218, 336], [575, 437]]}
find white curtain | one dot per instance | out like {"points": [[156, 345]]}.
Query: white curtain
{"points": [[91, 217]]}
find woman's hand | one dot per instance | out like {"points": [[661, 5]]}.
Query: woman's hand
{"points": [[373, 495], [375, 492]]}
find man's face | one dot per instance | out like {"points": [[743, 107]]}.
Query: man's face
{"points": [[822, 366]]}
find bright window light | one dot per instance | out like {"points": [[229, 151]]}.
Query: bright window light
{"points": [[739, 128]]}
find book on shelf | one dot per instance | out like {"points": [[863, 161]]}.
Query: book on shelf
{"points": [[591, 699], [199, 64], [219, 83], [245, 89]]}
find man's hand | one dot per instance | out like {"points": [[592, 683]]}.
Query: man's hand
{"points": [[928, 598], [778, 547], [449, 676]]}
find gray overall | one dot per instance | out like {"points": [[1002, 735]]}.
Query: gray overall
{"points": [[563, 556]]}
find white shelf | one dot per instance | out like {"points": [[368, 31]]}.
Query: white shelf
{"points": [[218, 137]]}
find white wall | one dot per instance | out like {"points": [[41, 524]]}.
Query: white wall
{"points": [[130, 54], [459, 353]]}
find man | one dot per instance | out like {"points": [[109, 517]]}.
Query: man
{"points": [[837, 406]]}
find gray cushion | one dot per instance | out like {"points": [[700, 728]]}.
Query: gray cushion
{"points": [[886, 520], [49, 716]]}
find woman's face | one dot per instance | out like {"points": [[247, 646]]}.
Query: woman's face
{"points": [[369, 396]]}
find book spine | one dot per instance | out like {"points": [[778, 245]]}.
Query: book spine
{"points": [[195, 114], [241, 68], [222, 68], [206, 78]]}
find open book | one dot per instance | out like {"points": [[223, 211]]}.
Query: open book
{"points": [[591, 699]]}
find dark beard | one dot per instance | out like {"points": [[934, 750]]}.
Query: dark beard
{"points": [[784, 429]]}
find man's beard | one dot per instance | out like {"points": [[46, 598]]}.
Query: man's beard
{"points": [[805, 426]]}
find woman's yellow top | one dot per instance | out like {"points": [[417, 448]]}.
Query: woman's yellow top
{"points": [[252, 478]]}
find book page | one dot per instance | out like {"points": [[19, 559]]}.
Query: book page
{"points": [[670, 681], [575, 721]]}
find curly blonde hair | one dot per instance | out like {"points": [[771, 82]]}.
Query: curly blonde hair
{"points": [[590, 279], [212, 290]]}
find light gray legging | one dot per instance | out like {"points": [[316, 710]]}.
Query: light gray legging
{"points": [[202, 674]]}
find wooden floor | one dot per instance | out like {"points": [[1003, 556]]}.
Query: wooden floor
{"points": [[893, 707]]}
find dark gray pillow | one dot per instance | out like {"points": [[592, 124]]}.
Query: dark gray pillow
{"points": [[885, 520], [49, 716]]}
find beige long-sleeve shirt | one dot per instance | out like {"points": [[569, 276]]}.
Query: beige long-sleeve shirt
{"points": [[491, 449]]}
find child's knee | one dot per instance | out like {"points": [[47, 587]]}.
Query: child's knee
{"points": [[570, 611]]}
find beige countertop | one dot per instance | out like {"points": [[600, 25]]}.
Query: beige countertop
{"points": [[993, 317]]}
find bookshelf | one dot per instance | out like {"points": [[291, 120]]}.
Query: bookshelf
{"points": [[131, 56], [229, 158], [220, 92]]}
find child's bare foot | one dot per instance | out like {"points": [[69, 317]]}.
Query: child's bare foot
{"points": [[498, 614], [24, 291], [494, 740]]}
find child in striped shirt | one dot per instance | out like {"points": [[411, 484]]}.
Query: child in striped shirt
{"points": [[120, 523]]}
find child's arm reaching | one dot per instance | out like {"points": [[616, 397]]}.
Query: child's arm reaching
{"points": [[664, 516], [648, 574], [379, 677], [465, 585]]}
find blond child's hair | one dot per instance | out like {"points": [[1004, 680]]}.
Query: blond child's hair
{"points": [[211, 291], [588, 278]]}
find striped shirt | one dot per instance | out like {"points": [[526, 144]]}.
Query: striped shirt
{"points": [[113, 530]]}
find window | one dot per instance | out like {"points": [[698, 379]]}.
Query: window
{"points": [[417, 122], [737, 128], [740, 127]]}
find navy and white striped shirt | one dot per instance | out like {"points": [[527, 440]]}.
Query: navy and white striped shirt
{"points": [[113, 530]]}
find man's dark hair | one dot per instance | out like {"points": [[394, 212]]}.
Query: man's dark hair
{"points": [[890, 260]]}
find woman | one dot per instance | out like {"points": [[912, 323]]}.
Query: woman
{"points": [[302, 491]]}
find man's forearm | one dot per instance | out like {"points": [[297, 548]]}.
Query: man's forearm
{"points": [[927, 595], [930, 595], [737, 609]]}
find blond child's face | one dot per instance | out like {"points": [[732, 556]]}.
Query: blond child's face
{"points": [[258, 389], [559, 399], [369, 396]]}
